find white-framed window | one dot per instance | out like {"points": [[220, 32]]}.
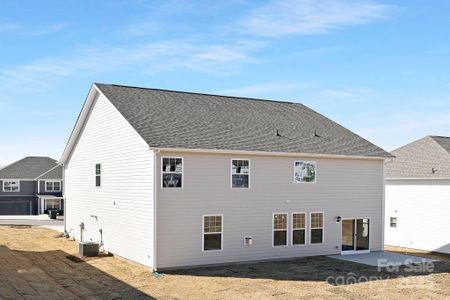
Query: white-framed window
{"points": [[52, 204], [172, 172], [98, 175], [305, 171], [393, 222], [279, 229], [212, 233], [298, 228], [316, 228], [240, 173], [52, 186], [10, 185]]}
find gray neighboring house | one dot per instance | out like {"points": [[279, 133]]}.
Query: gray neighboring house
{"points": [[31, 186], [418, 195], [172, 179]]}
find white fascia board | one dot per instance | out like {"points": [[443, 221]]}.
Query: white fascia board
{"points": [[267, 153], [81, 120]]}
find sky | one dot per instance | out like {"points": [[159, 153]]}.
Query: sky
{"points": [[379, 68]]}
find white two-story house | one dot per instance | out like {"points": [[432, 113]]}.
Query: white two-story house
{"points": [[172, 179]]}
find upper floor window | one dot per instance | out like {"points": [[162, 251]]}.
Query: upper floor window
{"points": [[98, 174], [11, 185], [240, 173], [53, 186], [393, 222], [305, 171], [172, 172]]}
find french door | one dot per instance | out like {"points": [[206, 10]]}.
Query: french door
{"points": [[355, 235]]}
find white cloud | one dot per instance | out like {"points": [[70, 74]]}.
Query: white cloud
{"points": [[4, 27], [47, 29], [287, 17], [262, 90], [140, 29], [147, 58]]}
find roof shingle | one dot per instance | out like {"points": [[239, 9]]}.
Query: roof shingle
{"points": [[182, 120], [28, 167], [428, 157]]}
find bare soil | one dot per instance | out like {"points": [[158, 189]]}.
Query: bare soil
{"points": [[35, 263]]}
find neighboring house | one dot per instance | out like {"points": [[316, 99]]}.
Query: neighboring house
{"points": [[418, 195], [31, 186], [171, 179]]}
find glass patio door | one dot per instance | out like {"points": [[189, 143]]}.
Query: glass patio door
{"points": [[355, 235]]}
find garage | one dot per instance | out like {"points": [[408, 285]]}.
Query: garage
{"points": [[15, 207]]}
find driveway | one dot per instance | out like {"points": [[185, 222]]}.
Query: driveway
{"points": [[37, 264], [57, 225]]}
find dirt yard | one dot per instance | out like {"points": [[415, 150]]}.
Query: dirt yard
{"points": [[34, 265]]}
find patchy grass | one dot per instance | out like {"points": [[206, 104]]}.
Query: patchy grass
{"points": [[36, 264]]}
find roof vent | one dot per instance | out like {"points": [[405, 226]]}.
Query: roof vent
{"points": [[316, 134], [433, 170]]}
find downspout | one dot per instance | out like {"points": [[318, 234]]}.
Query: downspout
{"points": [[383, 213], [63, 187], [155, 208]]}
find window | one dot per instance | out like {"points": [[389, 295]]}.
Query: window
{"points": [[240, 172], [298, 228], [316, 228], [98, 175], [280, 229], [212, 233], [393, 222], [53, 186], [52, 204], [305, 171], [172, 172], [11, 185]]}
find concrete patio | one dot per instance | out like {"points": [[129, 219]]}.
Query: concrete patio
{"points": [[383, 259]]}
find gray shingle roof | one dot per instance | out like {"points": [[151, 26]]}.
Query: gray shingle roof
{"points": [[172, 119], [56, 173], [29, 167], [428, 157]]}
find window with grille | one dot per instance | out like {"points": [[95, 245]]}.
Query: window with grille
{"points": [[212, 232], [280, 229], [316, 228], [298, 228]]}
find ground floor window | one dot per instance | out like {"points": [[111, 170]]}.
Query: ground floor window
{"points": [[316, 233], [280, 229], [52, 204], [212, 232], [298, 228]]}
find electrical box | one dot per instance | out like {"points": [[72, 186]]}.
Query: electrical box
{"points": [[248, 241]]}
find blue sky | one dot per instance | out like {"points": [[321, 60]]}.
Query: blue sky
{"points": [[379, 68]]}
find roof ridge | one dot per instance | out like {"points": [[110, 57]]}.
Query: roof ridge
{"points": [[198, 93]]}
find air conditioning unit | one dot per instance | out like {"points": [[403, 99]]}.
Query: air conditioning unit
{"points": [[248, 241]]}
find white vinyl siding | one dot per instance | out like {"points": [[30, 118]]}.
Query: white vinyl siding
{"points": [[422, 210], [123, 207], [349, 188]]}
